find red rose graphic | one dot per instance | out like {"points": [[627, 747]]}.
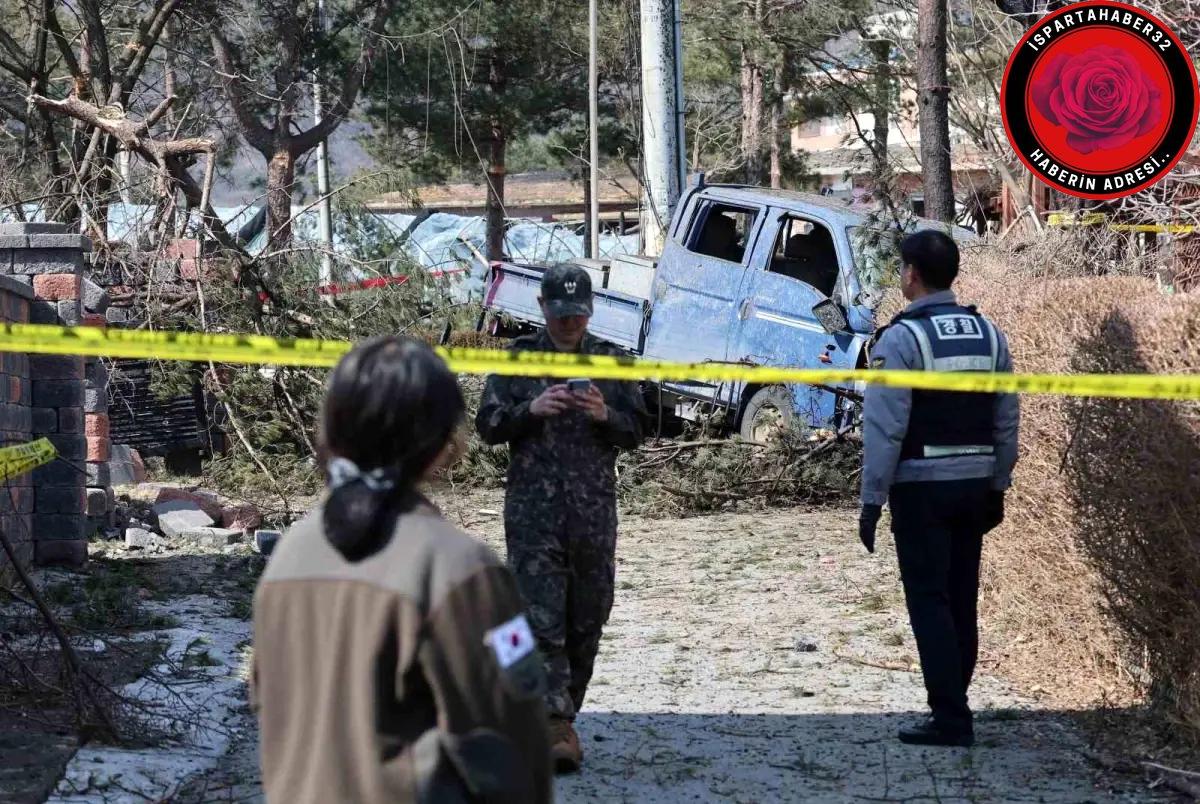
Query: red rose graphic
{"points": [[1100, 96]]}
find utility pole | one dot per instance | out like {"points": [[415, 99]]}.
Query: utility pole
{"points": [[593, 246], [662, 100], [324, 208]]}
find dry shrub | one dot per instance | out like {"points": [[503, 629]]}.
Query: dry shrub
{"points": [[1090, 587]]}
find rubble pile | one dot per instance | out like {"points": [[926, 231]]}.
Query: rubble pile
{"points": [[193, 518]]}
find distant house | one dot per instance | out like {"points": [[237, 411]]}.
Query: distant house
{"points": [[542, 196], [841, 164]]}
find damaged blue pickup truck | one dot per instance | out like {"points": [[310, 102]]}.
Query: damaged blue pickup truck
{"points": [[747, 275]]}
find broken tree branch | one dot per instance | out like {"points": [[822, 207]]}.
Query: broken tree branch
{"points": [[1182, 781], [71, 658]]}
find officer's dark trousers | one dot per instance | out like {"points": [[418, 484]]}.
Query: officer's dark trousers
{"points": [[939, 528], [564, 562]]}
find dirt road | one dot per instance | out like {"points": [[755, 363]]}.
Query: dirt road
{"points": [[766, 657]]}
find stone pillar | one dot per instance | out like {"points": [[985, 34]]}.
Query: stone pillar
{"points": [[49, 258], [16, 423]]}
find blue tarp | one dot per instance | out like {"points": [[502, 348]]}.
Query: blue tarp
{"points": [[439, 242]]}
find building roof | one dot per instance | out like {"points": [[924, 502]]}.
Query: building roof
{"points": [[903, 159], [542, 189]]}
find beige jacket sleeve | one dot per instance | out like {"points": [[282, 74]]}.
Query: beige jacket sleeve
{"points": [[488, 695]]}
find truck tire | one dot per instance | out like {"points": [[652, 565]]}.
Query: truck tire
{"points": [[768, 411]]}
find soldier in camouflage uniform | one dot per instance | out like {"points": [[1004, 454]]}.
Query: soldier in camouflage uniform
{"points": [[560, 512]]}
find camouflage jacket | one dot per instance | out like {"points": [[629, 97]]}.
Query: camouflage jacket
{"points": [[568, 451]]}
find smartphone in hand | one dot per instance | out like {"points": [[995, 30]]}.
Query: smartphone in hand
{"points": [[579, 385]]}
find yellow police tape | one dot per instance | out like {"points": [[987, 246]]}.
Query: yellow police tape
{"points": [[22, 458], [263, 350]]}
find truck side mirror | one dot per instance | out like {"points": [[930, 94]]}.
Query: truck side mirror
{"points": [[831, 317]]}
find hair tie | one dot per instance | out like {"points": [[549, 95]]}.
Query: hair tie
{"points": [[344, 470]]}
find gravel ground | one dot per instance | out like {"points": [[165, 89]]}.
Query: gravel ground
{"points": [[766, 657]]}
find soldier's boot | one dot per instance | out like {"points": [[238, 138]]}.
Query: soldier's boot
{"points": [[565, 753]]}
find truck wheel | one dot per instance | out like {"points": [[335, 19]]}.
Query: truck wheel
{"points": [[767, 413]]}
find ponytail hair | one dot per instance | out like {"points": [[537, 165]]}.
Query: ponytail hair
{"points": [[391, 408]]}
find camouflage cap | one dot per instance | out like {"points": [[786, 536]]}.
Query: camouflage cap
{"points": [[567, 290]]}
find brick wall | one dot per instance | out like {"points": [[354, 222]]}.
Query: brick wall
{"points": [[16, 422], [67, 400]]}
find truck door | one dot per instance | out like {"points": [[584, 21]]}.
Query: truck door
{"points": [[699, 281], [797, 265]]}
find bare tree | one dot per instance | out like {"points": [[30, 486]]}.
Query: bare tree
{"points": [[285, 44]]}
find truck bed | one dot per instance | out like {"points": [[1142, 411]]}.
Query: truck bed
{"points": [[619, 318]]}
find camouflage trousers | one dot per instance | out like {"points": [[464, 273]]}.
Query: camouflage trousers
{"points": [[564, 561]]}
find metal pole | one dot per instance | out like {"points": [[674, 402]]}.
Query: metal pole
{"points": [[324, 211], [660, 160], [593, 131]]}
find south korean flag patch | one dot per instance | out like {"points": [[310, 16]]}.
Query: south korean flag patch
{"points": [[515, 651]]}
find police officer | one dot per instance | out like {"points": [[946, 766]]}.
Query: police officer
{"points": [[560, 511], [942, 461]]}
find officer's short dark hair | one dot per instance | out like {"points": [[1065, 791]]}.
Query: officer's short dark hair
{"points": [[934, 256]]}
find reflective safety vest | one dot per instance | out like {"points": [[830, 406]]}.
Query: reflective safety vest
{"points": [[946, 424]]}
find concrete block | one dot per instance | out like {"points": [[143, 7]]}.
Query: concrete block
{"points": [[93, 320], [43, 312], [125, 466], [117, 315], [57, 393], [6, 264], [96, 374], [45, 420], [96, 425], [24, 499], [265, 541], [177, 516], [206, 501], [34, 261], [10, 241], [95, 400], [69, 313], [56, 287], [34, 228], [141, 539], [47, 527], [61, 473], [59, 500], [241, 517], [69, 446], [213, 538], [16, 418], [24, 280], [18, 310], [97, 502], [70, 420], [95, 298], [55, 367], [16, 389], [97, 449], [57, 240], [60, 553], [98, 474]]}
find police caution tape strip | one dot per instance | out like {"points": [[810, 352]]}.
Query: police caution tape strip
{"points": [[263, 350], [22, 458]]}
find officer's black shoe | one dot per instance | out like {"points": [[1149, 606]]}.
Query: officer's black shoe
{"points": [[930, 733]]}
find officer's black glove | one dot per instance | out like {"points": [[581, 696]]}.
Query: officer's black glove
{"points": [[868, 520], [995, 510]]}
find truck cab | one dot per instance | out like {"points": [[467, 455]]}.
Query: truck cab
{"points": [[747, 275]]}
